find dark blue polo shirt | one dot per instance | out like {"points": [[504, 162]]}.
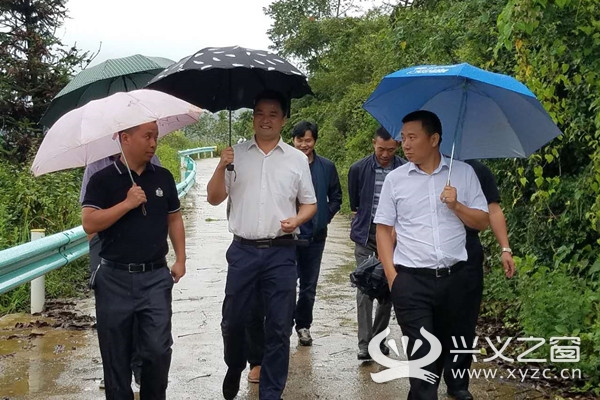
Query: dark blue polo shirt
{"points": [[135, 238]]}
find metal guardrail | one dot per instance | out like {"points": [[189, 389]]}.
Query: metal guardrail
{"points": [[190, 177], [198, 150], [23, 263]]}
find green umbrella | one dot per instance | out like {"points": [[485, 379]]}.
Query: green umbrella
{"points": [[111, 76]]}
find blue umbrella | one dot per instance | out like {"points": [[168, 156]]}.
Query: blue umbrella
{"points": [[483, 114]]}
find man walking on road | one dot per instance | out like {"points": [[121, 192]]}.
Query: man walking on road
{"points": [[365, 179], [329, 200], [94, 253], [271, 195], [133, 280], [425, 267]]}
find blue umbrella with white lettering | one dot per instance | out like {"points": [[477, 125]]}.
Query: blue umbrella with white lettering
{"points": [[483, 114]]}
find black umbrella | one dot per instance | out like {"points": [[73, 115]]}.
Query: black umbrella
{"points": [[229, 78], [369, 277]]}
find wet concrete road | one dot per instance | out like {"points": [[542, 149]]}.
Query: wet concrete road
{"points": [[42, 362]]}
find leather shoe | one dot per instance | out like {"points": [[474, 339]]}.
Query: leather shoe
{"points": [[231, 383], [460, 394], [363, 355]]}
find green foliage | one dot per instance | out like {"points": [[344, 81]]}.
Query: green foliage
{"points": [[35, 66], [167, 149], [551, 200], [558, 300], [50, 202], [213, 129]]}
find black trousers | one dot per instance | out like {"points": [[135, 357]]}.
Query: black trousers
{"points": [[438, 306], [274, 268], [473, 288], [122, 297], [255, 329], [95, 246]]}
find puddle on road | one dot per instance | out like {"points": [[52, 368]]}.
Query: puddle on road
{"points": [[33, 354]]}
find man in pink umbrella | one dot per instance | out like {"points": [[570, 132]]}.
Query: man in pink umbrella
{"points": [[133, 280]]}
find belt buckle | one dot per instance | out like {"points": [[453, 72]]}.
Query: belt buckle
{"points": [[263, 244], [130, 265], [439, 275]]}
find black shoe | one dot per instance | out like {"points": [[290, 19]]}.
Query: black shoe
{"points": [[231, 383], [384, 349], [363, 355], [460, 394], [304, 338]]}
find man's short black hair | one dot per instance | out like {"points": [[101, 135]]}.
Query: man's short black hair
{"points": [[382, 133], [273, 95], [301, 127], [429, 120]]}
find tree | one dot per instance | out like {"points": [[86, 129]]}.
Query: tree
{"points": [[35, 65], [296, 29]]}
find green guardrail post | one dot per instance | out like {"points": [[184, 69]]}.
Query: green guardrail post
{"points": [[38, 285]]}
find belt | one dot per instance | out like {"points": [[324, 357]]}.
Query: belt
{"points": [[281, 241], [432, 272], [135, 267]]}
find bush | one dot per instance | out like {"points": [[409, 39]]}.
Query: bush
{"points": [[545, 302]]}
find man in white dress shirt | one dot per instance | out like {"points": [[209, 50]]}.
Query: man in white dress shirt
{"points": [[269, 180], [425, 266]]}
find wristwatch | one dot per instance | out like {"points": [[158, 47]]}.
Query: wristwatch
{"points": [[506, 249]]}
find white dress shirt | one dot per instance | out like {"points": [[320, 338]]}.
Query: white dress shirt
{"points": [[428, 233], [264, 188]]}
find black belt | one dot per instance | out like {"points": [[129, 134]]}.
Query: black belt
{"points": [[432, 272], [135, 267], [281, 241]]}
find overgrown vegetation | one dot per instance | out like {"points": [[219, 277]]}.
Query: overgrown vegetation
{"points": [[552, 199], [51, 202]]}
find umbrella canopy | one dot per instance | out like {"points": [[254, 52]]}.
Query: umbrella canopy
{"points": [[111, 76], [228, 78], [87, 134], [483, 114]]}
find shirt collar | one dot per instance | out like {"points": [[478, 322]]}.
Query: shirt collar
{"points": [[443, 163], [121, 168], [252, 143]]}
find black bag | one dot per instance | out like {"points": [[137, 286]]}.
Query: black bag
{"points": [[370, 279]]}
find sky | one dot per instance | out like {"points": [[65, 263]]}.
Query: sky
{"points": [[172, 29]]}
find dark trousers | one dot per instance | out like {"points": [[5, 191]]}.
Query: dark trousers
{"points": [[437, 305], [308, 267], [95, 246], [122, 297], [275, 269], [255, 329], [473, 288]]}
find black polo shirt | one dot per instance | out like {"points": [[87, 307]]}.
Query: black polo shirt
{"points": [[489, 188], [135, 238]]}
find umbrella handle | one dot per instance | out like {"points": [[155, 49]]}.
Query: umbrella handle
{"points": [[230, 167], [451, 160]]}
